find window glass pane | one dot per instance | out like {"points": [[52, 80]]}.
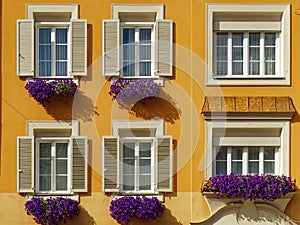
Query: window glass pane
{"points": [[61, 183], [61, 69], [222, 53], [145, 166], [145, 182], [45, 183], [269, 153], [237, 53], [254, 68], [44, 68], [237, 39], [222, 68], [269, 167], [237, 153], [253, 168], [61, 36], [61, 52], [270, 68], [270, 39], [45, 166], [45, 35], [145, 149], [270, 53], [128, 68], [222, 39], [45, 52], [61, 150], [128, 166], [145, 52], [145, 35], [254, 54], [45, 150], [128, 150], [145, 68], [221, 167], [128, 52], [222, 153], [236, 167], [237, 68], [253, 153], [128, 35], [254, 39], [61, 166], [128, 182]]}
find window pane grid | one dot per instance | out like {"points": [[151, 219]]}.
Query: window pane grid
{"points": [[253, 160], [237, 57]]}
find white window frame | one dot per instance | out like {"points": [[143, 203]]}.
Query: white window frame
{"points": [[138, 26], [53, 26], [246, 59], [245, 160], [138, 140], [155, 9], [53, 141], [283, 76], [282, 142], [158, 126]]}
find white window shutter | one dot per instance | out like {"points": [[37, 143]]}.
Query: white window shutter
{"points": [[25, 48], [110, 164], [164, 47], [25, 164], [79, 158], [164, 164], [78, 47], [110, 47]]}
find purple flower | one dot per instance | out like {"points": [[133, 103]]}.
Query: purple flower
{"points": [[266, 187], [52, 210], [43, 90], [129, 91], [124, 208]]}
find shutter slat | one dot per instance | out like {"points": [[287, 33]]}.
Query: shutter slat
{"points": [[25, 165], [110, 48], [25, 47], [164, 164], [79, 164], [79, 47], [110, 164], [164, 47]]}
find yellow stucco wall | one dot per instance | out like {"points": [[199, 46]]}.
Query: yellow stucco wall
{"points": [[95, 110]]}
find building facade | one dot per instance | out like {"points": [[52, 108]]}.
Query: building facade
{"points": [[221, 86]]}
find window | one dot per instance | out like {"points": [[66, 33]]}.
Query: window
{"points": [[52, 51], [137, 51], [246, 160], [137, 159], [52, 159], [247, 147], [246, 54], [51, 42], [248, 44], [137, 42]]}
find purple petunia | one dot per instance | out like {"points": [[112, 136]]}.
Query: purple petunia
{"points": [[266, 187], [52, 210], [124, 208], [43, 90], [129, 91]]}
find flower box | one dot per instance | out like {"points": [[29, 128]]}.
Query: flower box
{"points": [[215, 204], [42, 90], [127, 92]]}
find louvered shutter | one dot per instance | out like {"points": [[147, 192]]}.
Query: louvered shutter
{"points": [[79, 164], [25, 164], [25, 47], [164, 47], [110, 48], [78, 47], [164, 163], [110, 164]]}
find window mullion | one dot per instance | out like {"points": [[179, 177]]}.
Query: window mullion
{"points": [[136, 152], [53, 51], [261, 160], [278, 162], [262, 53], [245, 160], [246, 54], [53, 167], [229, 159], [278, 60], [137, 55], [229, 54]]}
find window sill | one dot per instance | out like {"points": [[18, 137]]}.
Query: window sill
{"points": [[71, 196], [159, 196], [247, 81]]}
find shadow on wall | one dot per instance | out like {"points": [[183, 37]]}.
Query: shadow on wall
{"points": [[163, 107], [84, 218], [79, 107], [166, 219]]}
